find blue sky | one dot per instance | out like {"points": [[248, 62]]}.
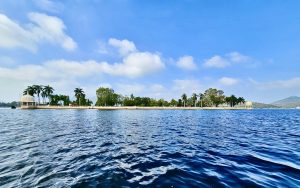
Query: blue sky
{"points": [[157, 48]]}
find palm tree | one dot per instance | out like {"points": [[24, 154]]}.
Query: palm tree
{"points": [[194, 98], [44, 95], [184, 99], [30, 90], [78, 94], [48, 91], [201, 96], [38, 89], [240, 100]]}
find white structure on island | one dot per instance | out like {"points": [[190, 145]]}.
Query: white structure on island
{"points": [[248, 104], [27, 101]]}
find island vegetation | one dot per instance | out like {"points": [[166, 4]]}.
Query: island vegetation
{"points": [[108, 97], [210, 98], [49, 98]]}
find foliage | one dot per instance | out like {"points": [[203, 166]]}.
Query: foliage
{"points": [[47, 92], [79, 94], [60, 100], [106, 97], [233, 100], [39, 90], [213, 97], [184, 99]]}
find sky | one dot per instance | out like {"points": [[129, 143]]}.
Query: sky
{"points": [[159, 49]]}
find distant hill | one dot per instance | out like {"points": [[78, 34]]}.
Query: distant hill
{"points": [[262, 105], [290, 102]]}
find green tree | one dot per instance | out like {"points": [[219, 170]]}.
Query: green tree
{"points": [[160, 102], [44, 95], [47, 92], [30, 90], [173, 102], [57, 99], [231, 100], [213, 97], [179, 104], [241, 100], [184, 99], [106, 97], [194, 99], [201, 97], [38, 89], [78, 94]]}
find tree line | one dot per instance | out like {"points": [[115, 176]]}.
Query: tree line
{"points": [[107, 97], [211, 97], [47, 92]]}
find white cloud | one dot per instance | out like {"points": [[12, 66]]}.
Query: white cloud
{"points": [[187, 63], [186, 86], [43, 28], [128, 89], [145, 90], [13, 35], [237, 57], [228, 81], [65, 75], [218, 61], [157, 90], [137, 64], [292, 83], [49, 5], [124, 46], [134, 63]]}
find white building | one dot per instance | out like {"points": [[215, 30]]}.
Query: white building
{"points": [[248, 104], [27, 101]]}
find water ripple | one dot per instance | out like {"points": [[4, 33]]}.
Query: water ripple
{"points": [[90, 148]]}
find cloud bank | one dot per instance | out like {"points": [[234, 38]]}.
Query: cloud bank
{"points": [[186, 63], [229, 59], [41, 29]]}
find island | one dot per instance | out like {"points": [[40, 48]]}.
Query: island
{"points": [[43, 97]]}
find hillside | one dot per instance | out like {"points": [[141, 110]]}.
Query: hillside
{"points": [[263, 105], [290, 102]]}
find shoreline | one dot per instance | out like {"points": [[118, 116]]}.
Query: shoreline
{"points": [[132, 108]]}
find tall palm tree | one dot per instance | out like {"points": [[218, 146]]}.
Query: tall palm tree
{"points": [[38, 89], [30, 90], [194, 98], [184, 99], [201, 96], [48, 91], [44, 95], [78, 94]]}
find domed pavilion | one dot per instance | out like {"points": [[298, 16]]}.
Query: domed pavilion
{"points": [[249, 104], [28, 101]]}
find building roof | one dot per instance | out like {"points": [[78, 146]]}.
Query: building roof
{"points": [[27, 98]]}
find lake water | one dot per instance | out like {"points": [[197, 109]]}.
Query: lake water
{"points": [[151, 148]]}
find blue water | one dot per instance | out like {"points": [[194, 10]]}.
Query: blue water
{"points": [[93, 148]]}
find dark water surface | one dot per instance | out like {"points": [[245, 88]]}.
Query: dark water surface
{"points": [[93, 148]]}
